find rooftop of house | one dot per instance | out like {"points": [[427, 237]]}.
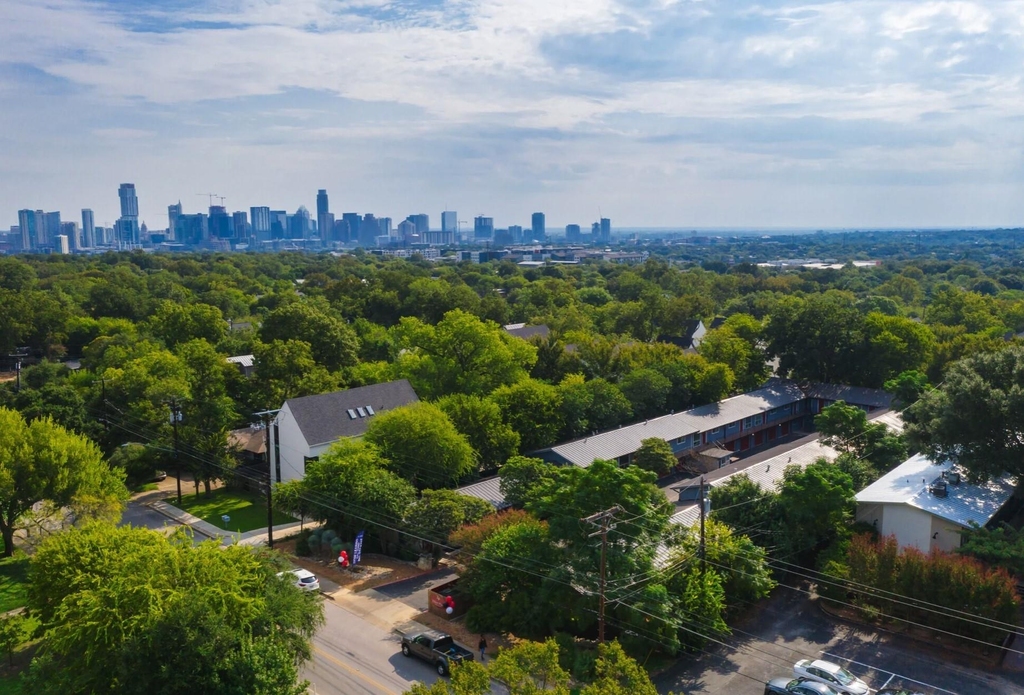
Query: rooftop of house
{"points": [[243, 360], [488, 489], [327, 417], [252, 440], [521, 330], [911, 483]]}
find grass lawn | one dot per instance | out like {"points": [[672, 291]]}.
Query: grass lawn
{"points": [[10, 685], [248, 511], [13, 579]]}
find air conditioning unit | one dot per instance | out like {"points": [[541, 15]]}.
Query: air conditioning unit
{"points": [[939, 489]]}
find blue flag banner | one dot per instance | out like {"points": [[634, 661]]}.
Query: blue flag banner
{"points": [[357, 548]]}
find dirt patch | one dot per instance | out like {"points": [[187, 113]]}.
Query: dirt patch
{"points": [[462, 634], [371, 572]]}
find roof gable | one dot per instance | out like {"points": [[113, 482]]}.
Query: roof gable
{"points": [[326, 417]]}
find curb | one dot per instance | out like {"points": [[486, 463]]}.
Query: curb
{"points": [[164, 512]]}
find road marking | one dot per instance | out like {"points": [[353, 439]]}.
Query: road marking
{"points": [[355, 672], [891, 676], [894, 674]]}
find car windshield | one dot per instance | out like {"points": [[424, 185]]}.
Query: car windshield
{"points": [[307, 580], [844, 676]]}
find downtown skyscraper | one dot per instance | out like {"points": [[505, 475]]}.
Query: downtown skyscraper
{"points": [[127, 231], [324, 217]]}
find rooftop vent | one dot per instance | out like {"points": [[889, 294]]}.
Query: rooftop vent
{"points": [[951, 477], [939, 489]]}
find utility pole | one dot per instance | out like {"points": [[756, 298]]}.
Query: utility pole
{"points": [[703, 513], [175, 418], [265, 416], [604, 519]]}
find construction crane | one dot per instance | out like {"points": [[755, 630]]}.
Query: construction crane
{"points": [[211, 196], [221, 198]]}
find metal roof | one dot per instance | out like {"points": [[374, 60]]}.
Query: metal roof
{"points": [[859, 395], [488, 489], [625, 440], [328, 417], [244, 360], [891, 419], [965, 502]]}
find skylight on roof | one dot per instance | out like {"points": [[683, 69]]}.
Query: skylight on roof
{"points": [[369, 409], [362, 413], [352, 414]]}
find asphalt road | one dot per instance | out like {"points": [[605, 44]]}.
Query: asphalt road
{"points": [[789, 627], [354, 657], [138, 514]]}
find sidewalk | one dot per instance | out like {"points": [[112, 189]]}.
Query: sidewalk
{"points": [[254, 537]]}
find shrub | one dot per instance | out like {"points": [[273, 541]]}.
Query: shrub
{"points": [[302, 548]]}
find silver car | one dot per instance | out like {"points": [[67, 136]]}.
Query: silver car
{"points": [[833, 675]]}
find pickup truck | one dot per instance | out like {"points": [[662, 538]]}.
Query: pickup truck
{"points": [[436, 648]]}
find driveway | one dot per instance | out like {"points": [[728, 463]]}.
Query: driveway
{"points": [[413, 591], [789, 627]]}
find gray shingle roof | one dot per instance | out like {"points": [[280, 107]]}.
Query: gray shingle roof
{"points": [[521, 330], [325, 418], [854, 395]]}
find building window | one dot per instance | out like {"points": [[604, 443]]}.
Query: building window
{"points": [[696, 439], [758, 419], [717, 430], [306, 461], [746, 423]]}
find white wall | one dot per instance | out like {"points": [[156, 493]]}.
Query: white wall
{"points": [[911, 526], [293, 448], [948, 538]]}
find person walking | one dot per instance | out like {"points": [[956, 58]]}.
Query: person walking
{"points": [[483, 647]]}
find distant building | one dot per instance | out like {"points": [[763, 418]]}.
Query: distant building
{"points": [[368, 231], [299, 224], [340, 231], [606, 229], [88, 229], [173, 213], [354, 221], [450, 221], [406, 232], [422, 223], [62, 244], [30, 223], [127, 230], [278, 224], [384, 226], [51, 222], [324, 218], [70, 230], [191, 229], [515, 231], [306, 427], [240, 226], [220, 223], [260, 219], [502, 237], [573, 233], [483, 228], [538, 226]]}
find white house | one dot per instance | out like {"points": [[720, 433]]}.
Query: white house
{"points": [[305, 427], [925, 504]]}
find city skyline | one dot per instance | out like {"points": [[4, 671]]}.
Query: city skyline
{"points": [[857, 114]]}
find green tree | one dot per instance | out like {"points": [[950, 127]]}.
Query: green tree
{"points": [[702, 603], [648, 391], [286, 369], [177, 323], [908, 387], [975, 417], [818, 337], [533, 409], [740, 503], [616, 673], [655, 455], [333, 342], [422, 445], [814, 504], [348, 484], [520, 475], [895, 344], [846, 428], [12, 633], [531, 668], [591, 406], [43, 462], [479, 420], [128, 610], [461, 354], [469, 678], [740, 563], [438, 513]]}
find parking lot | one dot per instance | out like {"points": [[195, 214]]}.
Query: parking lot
{"points": [[790, 627]]}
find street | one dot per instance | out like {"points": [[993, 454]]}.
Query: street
{"points": [[789, 627]]}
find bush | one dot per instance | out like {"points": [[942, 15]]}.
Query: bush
{"points": [[302, 548], [313, 543]]}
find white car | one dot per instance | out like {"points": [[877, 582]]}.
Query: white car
{"points": [[304, 579], [832, 675]]}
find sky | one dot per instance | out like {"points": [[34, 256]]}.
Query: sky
{"points": [[655, 113]]}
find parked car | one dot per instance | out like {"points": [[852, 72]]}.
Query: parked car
{"points": [[159, 476], [304, 579], [898, 691], [832, 675], [436, 648], [796, 686]]}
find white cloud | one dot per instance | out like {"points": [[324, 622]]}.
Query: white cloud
{"points": [[529, 96]]}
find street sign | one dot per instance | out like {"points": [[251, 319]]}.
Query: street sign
{"points": [[357, 548], [226, 519]]}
